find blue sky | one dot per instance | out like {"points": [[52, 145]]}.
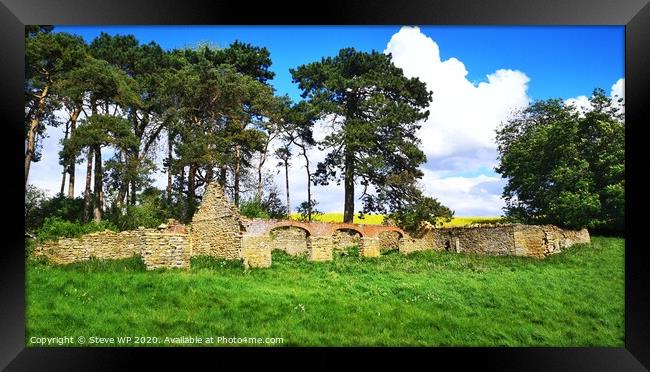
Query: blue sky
{"points": [[477, 73], [562, 61]]}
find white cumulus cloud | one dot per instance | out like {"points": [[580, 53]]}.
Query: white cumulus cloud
{"points": [[459, 135], [617, 91], [463, 116]]}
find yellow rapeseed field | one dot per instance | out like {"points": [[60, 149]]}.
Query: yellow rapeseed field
{"points": [[377, 219]]}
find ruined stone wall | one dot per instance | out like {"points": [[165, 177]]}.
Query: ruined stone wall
{"points": [[544, 240], [370, 247], [344, 239], [102, 245], [256, 251], [168, 250], [157, 248], [500, 240], [497, 241], [216, 226], [410, 245], [219, 231], [292, 240], [321, 248], [389, 240]]}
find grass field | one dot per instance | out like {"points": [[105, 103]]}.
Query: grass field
{"points": [[575, 298], [377, 219]]}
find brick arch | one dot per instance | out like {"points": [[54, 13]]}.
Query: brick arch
{"points": [[287, 224], [264, 227], [349, 228]]}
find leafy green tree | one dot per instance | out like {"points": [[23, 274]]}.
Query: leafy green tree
{"points": [[377, 112], [298, 131], [269, 207], [33, 30], [98, 86], [47, 56], [421, 209], [96, 132], [223, 115], [34, 199], [38, 207], [247, 59], [273, 205], [146, 65], [284, 155], [275, 127], [563, 167], [308, 211], [218, 112], [150, 211]]}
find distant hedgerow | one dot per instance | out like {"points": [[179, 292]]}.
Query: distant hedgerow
{"points": [[55, 227]]}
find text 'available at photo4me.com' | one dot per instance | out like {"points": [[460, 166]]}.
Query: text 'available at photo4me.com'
{"points": [[151, 340]]}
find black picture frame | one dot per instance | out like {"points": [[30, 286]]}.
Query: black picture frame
{"points": [[634, 14]]}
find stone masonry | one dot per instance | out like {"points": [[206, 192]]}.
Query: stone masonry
{"points": [[216, 226], [218, 230], [158, 248]]}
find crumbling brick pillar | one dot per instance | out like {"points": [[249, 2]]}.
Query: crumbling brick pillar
{"points": [[370, 247], [320, 248], [256, 251]]}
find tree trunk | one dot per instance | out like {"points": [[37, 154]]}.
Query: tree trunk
{"points": [[259, 172], [181, 181], [127, 194], [65, 166], [348, 210], [304, 153], [286, 179], [169, 167], [99, 189], [71, 172], [181, 189], [71, 166], [87, 193], [124, 188], [259, 180], [237, 173], [133, 192], [138, 134], [31, 134], [191, 190], [121, 194], [223, 174], [209, 174]]}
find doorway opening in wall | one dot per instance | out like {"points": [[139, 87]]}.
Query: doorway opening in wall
{"points": [[389, 242], [348, 242], [293, 240]]}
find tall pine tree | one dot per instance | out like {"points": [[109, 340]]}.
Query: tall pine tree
{"points": [[377, 112]]}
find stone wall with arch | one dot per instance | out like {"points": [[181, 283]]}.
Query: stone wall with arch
{"points": [[218, 230], [290, 239]]}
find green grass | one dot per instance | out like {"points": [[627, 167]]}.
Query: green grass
{"points": [[378, 219], [575, 298]]}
